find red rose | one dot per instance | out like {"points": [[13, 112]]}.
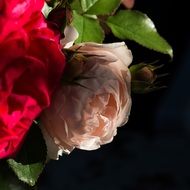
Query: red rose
{"points": [[31, 64]]}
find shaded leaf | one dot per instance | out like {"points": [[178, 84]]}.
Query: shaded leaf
{"points": [[34, 148], [8, 180], [30, 161], [27, 173]]}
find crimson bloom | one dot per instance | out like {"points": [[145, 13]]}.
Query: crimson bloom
{"points": [[31, 64]]}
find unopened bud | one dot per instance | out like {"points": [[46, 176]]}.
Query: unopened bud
{"points": [[143, 72], [144, 78]]}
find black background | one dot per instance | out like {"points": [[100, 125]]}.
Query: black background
{"points": [[152, 151]]}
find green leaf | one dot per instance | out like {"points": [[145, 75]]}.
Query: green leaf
{"points": [[103, 7], [76, 5], [134, 25], [87, 4], [30, 161], [88, 28], [95, 7], [26, 173]]}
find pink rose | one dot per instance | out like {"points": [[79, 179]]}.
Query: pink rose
{"points": [[86, 113], [30, 68]]}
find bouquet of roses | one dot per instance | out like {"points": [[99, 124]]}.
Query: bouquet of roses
{"points": [[60, 87]]}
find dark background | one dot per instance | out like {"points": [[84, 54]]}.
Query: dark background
{"points": [[152, 151]]}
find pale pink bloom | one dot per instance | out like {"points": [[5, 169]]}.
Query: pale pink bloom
{"points": [[86, 114]]}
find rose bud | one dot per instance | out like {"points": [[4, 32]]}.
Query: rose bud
{"points": [[85, 112], [144, 78]]}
